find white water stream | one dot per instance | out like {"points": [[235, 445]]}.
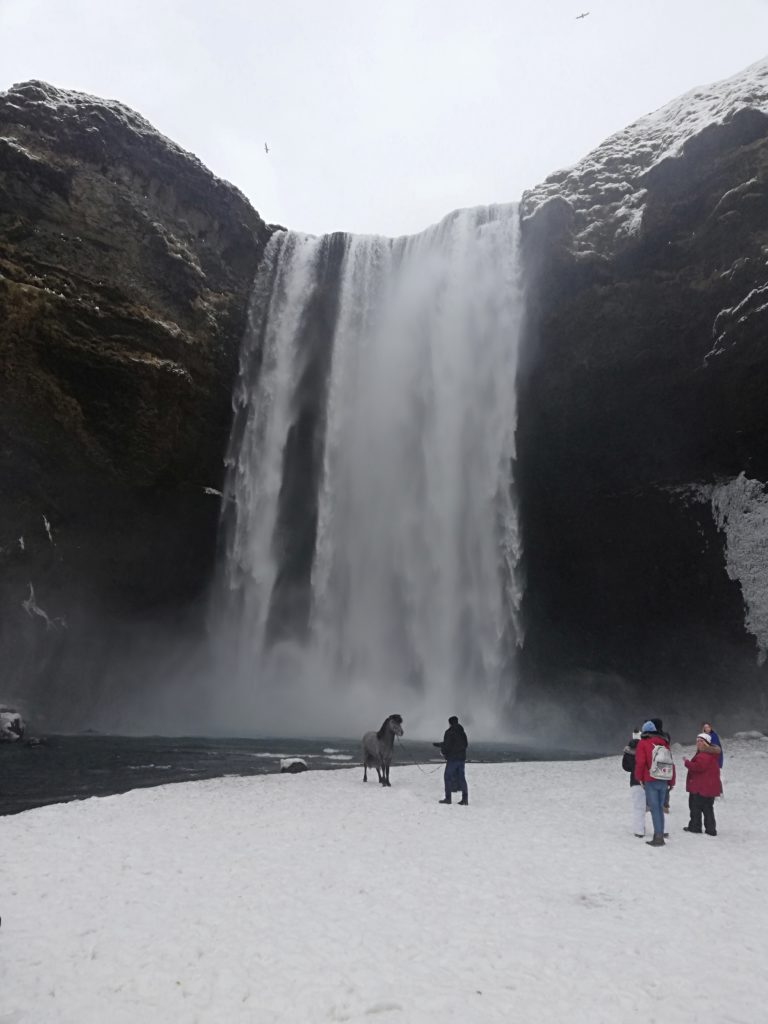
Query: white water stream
{"points": [[412, 584]]}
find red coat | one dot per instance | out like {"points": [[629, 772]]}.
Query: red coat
{"points": [[643, 758], [704, 773]]}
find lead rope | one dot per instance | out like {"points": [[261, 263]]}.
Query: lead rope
{"points": [[424, 770]]}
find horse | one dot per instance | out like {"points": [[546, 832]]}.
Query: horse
{"points": [[377, 748]]}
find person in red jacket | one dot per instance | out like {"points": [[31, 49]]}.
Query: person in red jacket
{"points": [[703, 784], [646, 772]]}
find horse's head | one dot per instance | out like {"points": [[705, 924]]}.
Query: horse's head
{"points": [[392, 724], [395, 724]]}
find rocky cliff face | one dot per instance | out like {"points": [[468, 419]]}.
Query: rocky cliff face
{"points": [[125, 271], [643, 431]]}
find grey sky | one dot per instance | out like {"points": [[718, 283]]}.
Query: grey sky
{"points": [[382, 116]]}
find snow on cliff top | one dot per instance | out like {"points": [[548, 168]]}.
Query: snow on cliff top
{"points": [[605, 185]]}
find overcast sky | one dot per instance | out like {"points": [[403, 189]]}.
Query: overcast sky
{"points": [[382, 115]]}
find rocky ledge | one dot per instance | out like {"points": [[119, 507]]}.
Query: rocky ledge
{"points": [[125, 271], [643, 419]]}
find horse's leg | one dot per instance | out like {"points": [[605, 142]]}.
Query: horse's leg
{"points": [[387, 760], [379, 772]]}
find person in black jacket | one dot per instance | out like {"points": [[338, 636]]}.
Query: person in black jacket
{"points": [[665, 736], [454, 750]]}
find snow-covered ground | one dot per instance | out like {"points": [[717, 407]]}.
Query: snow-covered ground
{"points": [[314, 898]]}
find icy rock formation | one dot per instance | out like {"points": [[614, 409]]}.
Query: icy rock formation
{"points": [[740, 508], [12, 726], [644, 369]]}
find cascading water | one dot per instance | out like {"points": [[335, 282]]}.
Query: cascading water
{"points": [[372, 536]]}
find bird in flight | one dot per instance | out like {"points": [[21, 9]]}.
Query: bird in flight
{"points": [[584, 15], [266, 148]]}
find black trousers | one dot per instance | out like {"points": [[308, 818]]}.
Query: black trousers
{"points": [[702, 806], [455, 779]]}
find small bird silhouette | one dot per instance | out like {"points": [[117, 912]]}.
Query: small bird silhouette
{"points": [[266, 148], [584, 15]]}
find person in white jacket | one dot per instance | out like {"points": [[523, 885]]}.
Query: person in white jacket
{"points": [[636, 791]]}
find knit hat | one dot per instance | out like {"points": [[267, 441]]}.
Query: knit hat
{"points": [[705, 737], [648, 727], [453, 720]]}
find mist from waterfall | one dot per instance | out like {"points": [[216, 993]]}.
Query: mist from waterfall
{"points": [[371, 531]]}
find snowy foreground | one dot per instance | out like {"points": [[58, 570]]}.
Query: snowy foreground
{"points": [[314, 898]]}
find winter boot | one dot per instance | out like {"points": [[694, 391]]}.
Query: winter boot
{"points": [[658, 840], [464, 802], [696, 831], [447, 800]]}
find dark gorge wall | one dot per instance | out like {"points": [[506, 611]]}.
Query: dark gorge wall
{"points": [[645, 372], [125, 271]]}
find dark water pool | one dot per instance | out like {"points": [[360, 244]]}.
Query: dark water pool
{"points": [[66, 768]]}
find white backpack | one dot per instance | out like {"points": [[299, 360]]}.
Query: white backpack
{"points": [[662, 766]]}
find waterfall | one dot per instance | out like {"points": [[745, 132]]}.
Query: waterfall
{"points": [[372, 543]]}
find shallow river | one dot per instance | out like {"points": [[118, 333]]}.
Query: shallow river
{"points": [[65, 768]]}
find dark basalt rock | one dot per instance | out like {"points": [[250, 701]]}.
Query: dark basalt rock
{"points": [[125, 270], [644, 372]]}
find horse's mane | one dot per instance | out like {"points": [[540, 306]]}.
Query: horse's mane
{"points": [[382, 731]]}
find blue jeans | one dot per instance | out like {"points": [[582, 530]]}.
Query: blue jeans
{"points": [[455, 779], [655, 797]]}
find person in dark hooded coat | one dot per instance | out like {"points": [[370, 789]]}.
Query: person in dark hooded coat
{"points": [[665, 736], [454, 750]]}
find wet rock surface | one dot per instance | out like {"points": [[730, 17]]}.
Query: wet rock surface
{"points": [[125, 271]]}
